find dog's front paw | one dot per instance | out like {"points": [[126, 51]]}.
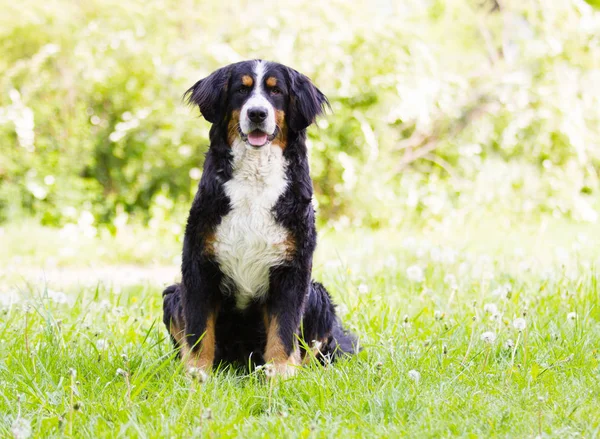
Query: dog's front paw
{"points": [[280, 370], [198, 373]]}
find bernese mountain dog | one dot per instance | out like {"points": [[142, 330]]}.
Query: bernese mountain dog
{"points": [[246, 294]]}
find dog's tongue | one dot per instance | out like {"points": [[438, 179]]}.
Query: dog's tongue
{"points": [[257, 138]]}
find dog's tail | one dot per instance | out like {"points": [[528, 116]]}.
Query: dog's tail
{"points": [[323, 326]]}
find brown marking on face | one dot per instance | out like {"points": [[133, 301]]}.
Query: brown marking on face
{"points": [[275, 352], [247, 80], [202, 355], [281, 138], [232, 127], [271, 81]]}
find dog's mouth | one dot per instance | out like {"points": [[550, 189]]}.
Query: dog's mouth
{"points": [[257, 138]]}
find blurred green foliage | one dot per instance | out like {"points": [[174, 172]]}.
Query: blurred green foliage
{"points": [[439, 107]]}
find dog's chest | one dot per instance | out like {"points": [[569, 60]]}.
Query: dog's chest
{"points": [[249, 241]]}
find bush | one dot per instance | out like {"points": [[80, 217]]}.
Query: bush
{"points": [[438, 106]]}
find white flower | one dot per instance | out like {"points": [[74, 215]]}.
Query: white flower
{"points": [[503, 291], [450, 280], [101, 344], [414, 375], [490, 308], [363, 288], [21, 428], [572, 316], [8, 298], [488, 337], [121, 372], [57, 296], [415, 273], [519, 324]]}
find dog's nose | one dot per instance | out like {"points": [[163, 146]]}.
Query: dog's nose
{"points": [[257, 114]]}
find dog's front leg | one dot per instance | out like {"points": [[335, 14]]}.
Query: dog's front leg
{"points": [[200, 293], [283, 313]]}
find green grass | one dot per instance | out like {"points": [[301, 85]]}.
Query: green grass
{"points": [[129, 384]]}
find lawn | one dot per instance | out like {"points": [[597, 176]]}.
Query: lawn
{"points": [[466, 330]]}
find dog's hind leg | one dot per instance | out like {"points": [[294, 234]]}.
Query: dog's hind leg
{"points": [[173, 314], [322, 328]]}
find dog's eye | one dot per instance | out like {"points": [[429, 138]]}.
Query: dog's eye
{"points": [[275, 91], [243, 90]]}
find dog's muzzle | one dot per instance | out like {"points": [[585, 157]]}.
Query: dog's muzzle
{"points": [[257, 137]]}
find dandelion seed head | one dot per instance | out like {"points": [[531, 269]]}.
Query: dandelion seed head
{"points": [[414, 375], [519, 324], [415, 273], [572, 316], [450, 280], [363, 288], [490, 308], [21, 428], [488, 337], [57, 296]]}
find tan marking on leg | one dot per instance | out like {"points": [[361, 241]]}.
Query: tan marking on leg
{"points": [[247, 80], [271, 81], [176, 332], [275, 352], [204, 356], [232, 127]]}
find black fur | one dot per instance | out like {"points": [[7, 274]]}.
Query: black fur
{"points": [[302, 307]]}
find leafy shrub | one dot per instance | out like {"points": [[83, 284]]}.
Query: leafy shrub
{"points": [[439, 106]]}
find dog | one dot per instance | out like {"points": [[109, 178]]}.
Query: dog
{"points": [[246, 293]]}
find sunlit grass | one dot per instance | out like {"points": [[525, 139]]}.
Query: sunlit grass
{"points": [[478, 347]]}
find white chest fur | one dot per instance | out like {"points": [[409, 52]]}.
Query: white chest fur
{"points": [[249, 241]]}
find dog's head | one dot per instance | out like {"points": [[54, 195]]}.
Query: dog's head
{"points": [[258, 102]]}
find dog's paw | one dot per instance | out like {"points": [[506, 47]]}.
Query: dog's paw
{"points": [[197, 373], [280, 370]]}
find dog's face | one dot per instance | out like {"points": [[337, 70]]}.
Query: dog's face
{"points": [[258, 102]]}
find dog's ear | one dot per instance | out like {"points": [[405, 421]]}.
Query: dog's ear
{"points": [[210, 94], [306, 101]]}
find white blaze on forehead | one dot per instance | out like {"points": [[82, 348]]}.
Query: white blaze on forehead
{"points": [[258, 99]]}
